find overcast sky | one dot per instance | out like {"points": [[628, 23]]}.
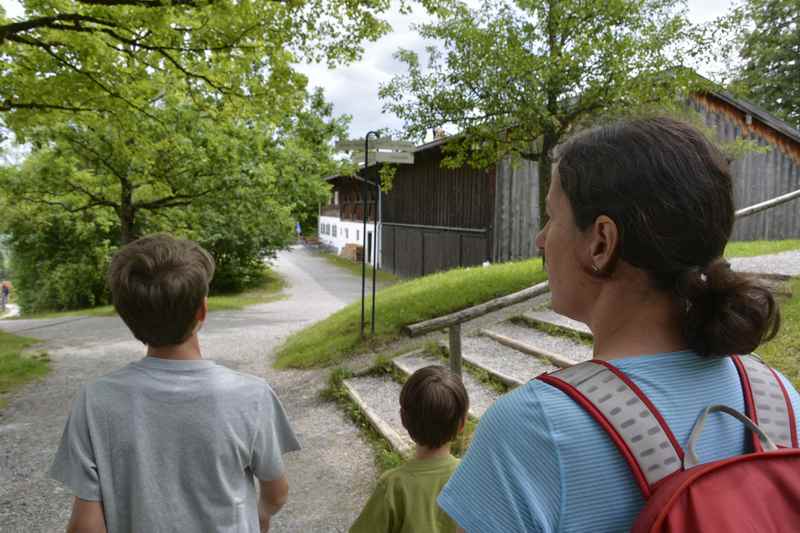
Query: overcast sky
{"points": [[354, 89]]}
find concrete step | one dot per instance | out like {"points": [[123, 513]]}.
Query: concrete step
{"points": [[547, 319], [506, 364], [559, 351], [481, 396], [378, 397]]}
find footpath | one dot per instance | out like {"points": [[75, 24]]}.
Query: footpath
{"points": [[330, 479]]}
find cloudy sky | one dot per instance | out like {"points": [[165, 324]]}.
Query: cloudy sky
{"points": [[354, 89]]}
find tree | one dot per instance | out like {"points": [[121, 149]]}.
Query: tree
{"points": [[769, 41], [90, 185], [516, 77], [100, 55]]}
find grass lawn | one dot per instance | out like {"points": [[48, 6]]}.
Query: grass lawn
{"points": [[783, 352], [355, 268], [332, 340], [267, 291], [753, 248], [16, 369]]}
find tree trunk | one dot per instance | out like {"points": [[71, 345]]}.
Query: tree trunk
{"points": [[127, 213], [545, 162]]}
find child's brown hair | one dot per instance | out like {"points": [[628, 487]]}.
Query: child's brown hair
{"points": [[158, 284], [433, 406]]}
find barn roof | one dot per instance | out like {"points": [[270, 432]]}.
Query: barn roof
{"points": [[763, 116]]}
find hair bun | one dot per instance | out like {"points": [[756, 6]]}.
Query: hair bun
{"points": [[726, 312]]}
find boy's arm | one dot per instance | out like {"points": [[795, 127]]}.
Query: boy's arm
{"points": [[273, 496], [87, 517]]}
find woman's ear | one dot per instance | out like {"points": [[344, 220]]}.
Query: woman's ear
{"points": [[603, 243], [462, 424]]}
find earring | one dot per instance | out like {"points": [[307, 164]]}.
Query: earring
{"points": [[595, 268]]}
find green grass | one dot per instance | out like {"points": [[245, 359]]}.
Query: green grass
{"points": [[355, 268], [753, 248], [783, 352], [267, 291], [17, 369], [336, 338]]}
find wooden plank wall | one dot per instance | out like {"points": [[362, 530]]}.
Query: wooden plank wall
{"points": [[757, 176], [410, 251], [516, 219]]}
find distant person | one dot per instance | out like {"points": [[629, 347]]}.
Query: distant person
{"points": [[5, 292], [433, 408], [172, 442], [639, 212], [298, 229]]}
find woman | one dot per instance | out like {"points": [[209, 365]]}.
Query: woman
{"points": [[639, 215]]}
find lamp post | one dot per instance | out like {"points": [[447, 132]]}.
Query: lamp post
{"points": [[365, 189]]}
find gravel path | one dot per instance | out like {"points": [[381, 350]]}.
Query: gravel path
{"points": [[12, 310], [512, 367], [330, 478], [539, 339], [784, 263]]}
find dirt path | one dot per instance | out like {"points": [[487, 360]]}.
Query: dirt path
{"points": [[330, 478]]}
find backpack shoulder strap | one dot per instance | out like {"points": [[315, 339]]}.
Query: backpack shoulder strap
{"points": [[767, 402], [627, 415]]}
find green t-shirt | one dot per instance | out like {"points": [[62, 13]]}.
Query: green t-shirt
{"points": [[405, 499]]}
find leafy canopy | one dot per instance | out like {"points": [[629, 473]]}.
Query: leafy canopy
{"points": [[515, 77]]}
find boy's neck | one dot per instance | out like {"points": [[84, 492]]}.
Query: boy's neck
{"points": [[185, 351], [423, 452]]}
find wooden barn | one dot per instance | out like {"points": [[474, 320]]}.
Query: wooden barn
{"points": [[438, 218]]}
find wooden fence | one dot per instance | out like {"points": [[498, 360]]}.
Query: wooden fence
{"points": [[410, 250]]}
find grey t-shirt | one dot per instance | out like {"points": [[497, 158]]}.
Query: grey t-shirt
{"points": [[171, 445]]}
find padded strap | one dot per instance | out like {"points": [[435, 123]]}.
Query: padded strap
{"points": [[625, 413], [767, 402]]}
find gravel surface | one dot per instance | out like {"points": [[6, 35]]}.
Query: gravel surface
{"points": [[784, 263], [330, 478], [538, 339], [550, 317], [511, 366], [481, 397]]}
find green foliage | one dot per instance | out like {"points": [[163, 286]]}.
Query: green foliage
{"points": [[100, 56], [768, 37], [17, 369], [754, 248], [91, 185], [337, 337], [517, 77]]}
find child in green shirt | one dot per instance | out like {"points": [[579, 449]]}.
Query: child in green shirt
{"points": [[433, 408]]}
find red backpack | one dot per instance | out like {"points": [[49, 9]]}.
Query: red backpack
{"points": [[757, 492]]}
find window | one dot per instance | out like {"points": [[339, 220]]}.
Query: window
{"points": [[346, 233], [358, 236], [335, 229], [335, 197]]}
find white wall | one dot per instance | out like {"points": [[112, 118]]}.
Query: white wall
{"points": [[347, 232]]}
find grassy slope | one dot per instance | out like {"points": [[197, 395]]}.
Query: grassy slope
{"points": [[16, 369], [335, 338], [783, 352], [355, 268], [753, 248], [269, 290]]}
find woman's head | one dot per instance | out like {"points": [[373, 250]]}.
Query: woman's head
{"points": [[661, 197]]}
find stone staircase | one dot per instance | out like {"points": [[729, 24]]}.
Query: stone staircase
{"points": [[509, 353]]}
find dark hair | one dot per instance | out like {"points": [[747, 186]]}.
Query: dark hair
{"points": [[670, 193], [157, 285], [433, 405]]}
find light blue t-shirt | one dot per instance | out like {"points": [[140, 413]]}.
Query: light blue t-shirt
{"points": [[539, 463]]}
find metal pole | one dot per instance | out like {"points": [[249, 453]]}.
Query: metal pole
{"points": [[753, 209], [375, 243], [364, 236]]}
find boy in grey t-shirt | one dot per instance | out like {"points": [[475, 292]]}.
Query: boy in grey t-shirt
{"points": [[172, 442]]}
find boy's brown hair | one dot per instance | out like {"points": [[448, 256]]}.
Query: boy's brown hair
{"points": [[433, 406], [158, 284]]}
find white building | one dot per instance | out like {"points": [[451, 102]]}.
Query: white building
{"points": [[341, 222]]}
